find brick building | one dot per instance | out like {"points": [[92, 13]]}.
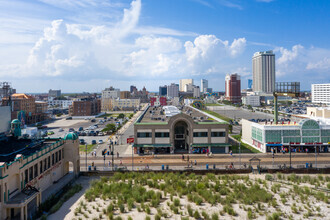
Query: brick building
{"points": [[85, 107], [26, 109], [233, 88]]}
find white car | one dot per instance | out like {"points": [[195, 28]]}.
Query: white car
{"points": [[100, 142], [60, 130], [101, 134]]}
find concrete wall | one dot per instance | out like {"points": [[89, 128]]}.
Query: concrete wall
{"points": [[5, 117], [247, 131]]}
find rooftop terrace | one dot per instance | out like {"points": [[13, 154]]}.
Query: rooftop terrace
{"points": [[158, 114], [11, 147]]}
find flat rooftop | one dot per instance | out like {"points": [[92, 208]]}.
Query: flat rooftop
{"points": [[157, 114], [11, 147]]}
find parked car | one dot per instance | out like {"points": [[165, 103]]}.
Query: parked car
{"points": [[50, 132], [60, 130], [71, 129], [100, 142], [68, 118], [101, 134], [25, 136], [93, 141], [93, 120], [81, 129], [81, 141]]}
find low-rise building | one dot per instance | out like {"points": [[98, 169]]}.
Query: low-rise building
{"points": [[125, 94], [301, 136], [170, 130], [252, 100], [85, 107], [158, 101], [318, 112], [26, 109], [122, 104]]}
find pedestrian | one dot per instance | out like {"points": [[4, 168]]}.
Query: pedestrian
{"points": [[117, 154], [109, 163], [195, 162], [92, 163], [188, 158], [121, 162], [182, 157], [191, 163], [231, 153]]}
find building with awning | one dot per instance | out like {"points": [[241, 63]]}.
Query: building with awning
{"points": [[300, 137], [171, 129]]}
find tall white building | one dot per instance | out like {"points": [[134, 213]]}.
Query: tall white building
{"points": [[184, 82], [263, 71], [173, 90], [204, 84], [321, 93]]}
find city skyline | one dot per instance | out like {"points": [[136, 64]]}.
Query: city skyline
{"points": [[89, 45]]}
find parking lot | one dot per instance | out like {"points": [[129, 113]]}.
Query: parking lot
{"points": [[62, 126]]}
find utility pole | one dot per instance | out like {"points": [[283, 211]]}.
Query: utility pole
{"points": [[86, 156], [112, 153]]}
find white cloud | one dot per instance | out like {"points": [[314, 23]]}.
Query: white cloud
{"points": [[303, 64], [321, 65], [85, 52]]}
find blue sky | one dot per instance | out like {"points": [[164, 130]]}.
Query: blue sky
{"points": [[88, 45]]}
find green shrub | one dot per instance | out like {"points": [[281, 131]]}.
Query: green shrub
{"points": [[129, 218], [157, 217], [229, 210], [176, 202], [215, 216], [122, 208], [147, 218], [274, 216], [190, 211], [205, 215], [196, 215], [148, 210], [269, 177]]}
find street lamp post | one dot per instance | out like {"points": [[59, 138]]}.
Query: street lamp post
{"points": [[315, 155], [290, 153], [239, 155]]}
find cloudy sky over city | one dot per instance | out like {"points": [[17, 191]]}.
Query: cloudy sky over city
{"points": [[88, 45]]}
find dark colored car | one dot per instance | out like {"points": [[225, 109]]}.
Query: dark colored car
{"points": [[81, 129], [93, 141], [68, 118], [81, 141]]}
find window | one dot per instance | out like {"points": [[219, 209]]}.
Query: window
{"points": [[53, 159], [35, 170], [48, 162], [59, 155], [30, 173], [45, 164], [41, 167], [200, 134], [218, 134], [162, 134], [56, 157], [26, 176], [144, 134]]}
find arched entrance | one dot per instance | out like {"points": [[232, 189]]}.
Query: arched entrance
{"points": [[181, 137]]}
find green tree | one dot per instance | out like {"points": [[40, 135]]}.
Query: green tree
{"points": [[121, 115], [109, 127]]}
